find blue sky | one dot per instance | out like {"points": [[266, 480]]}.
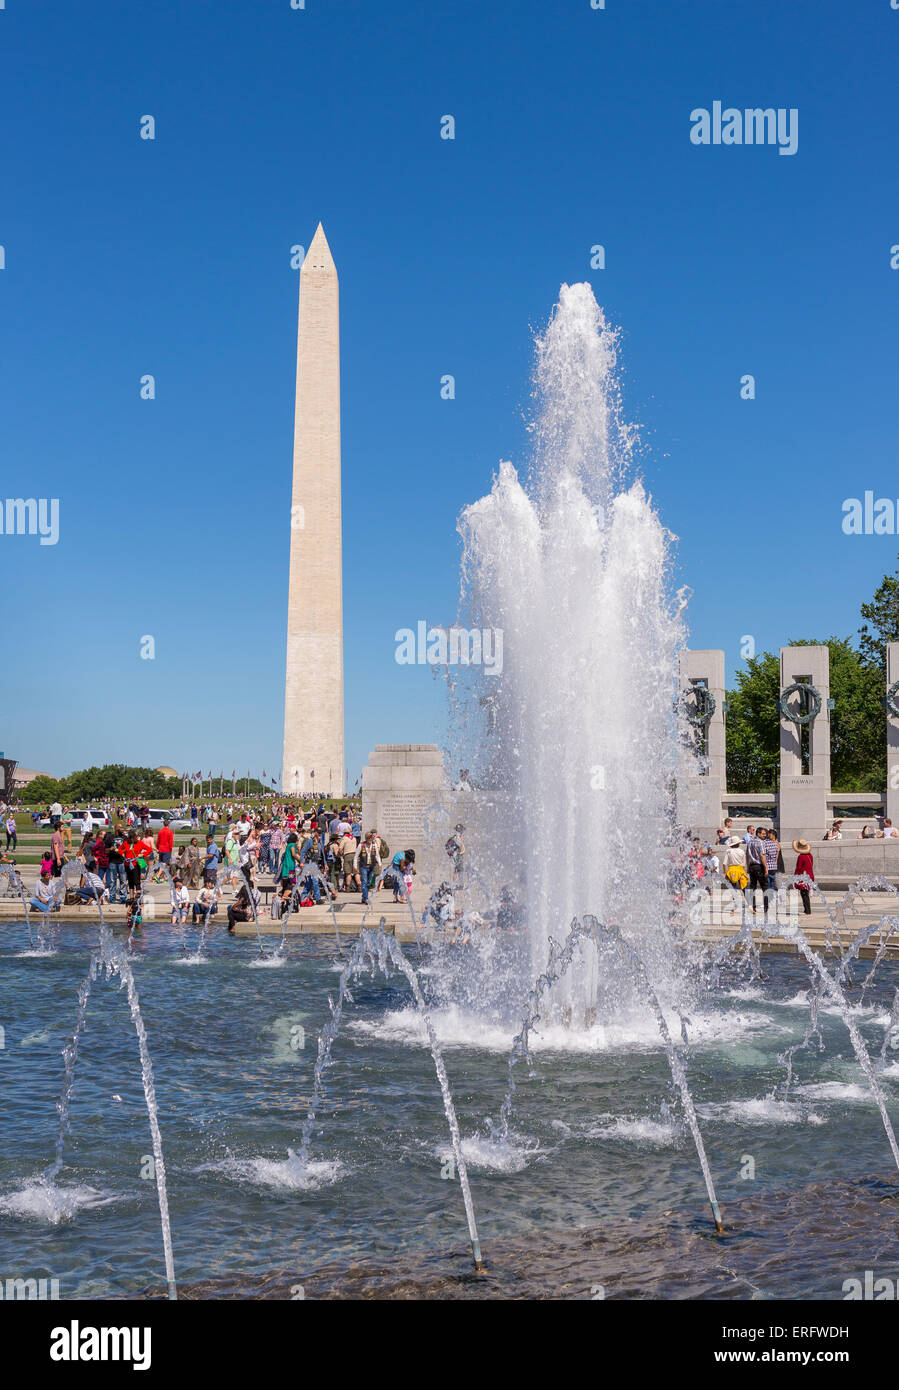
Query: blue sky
{"points": [[171, 257]]}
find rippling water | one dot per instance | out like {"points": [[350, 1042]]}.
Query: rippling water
{"points": [[598, 1191]]}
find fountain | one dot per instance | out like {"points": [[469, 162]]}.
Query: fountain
{"points": [[575, 574], [579, 940]]}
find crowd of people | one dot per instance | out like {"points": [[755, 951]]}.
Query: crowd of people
{"points": [[753, 862], [310, 852]]}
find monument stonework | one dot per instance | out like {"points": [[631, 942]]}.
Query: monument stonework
{"points": [[313, 697], [404, 795]]}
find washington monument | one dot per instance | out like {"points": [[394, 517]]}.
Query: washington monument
{"points": [[313, 698]]}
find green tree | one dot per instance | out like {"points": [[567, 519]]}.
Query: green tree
{"points": [[42, 789], [753, 729], [857, 739], [883, 615]]}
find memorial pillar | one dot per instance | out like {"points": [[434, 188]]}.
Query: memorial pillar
{"points": [[703, 783], [804, 746], [892, 789]]}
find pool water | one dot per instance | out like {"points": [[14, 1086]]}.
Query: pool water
{"points": [[597, 1192]]}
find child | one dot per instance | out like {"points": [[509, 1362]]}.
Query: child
{"points": [[180, 903], [132, 914], [47, 862]]}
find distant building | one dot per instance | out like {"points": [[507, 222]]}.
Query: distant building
{"points": [[24, 775]]}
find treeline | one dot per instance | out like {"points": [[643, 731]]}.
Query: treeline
{"points": [[121, 783]]}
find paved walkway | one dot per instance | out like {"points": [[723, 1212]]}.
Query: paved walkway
{"points": [[312, 921]]}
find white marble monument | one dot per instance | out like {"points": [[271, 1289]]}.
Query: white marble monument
{"points": [[313, 699]]}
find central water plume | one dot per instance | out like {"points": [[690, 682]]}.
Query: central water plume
{"points": [[575, 745]]}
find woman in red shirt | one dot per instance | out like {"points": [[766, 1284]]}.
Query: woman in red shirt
{"points": [[805, 864]]}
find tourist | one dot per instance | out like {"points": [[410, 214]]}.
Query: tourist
{"points": [[835, 832], [206, 904], [773, 863], [867, 833], [315, 852], [346, 848], [47, 862], [889, 832], [182, 865], [11, 836], [245, 906], [725, 833], [246, 854], [115, 873], [193, 862], [757, 867], [265, 845], [366, 864], [232, 847], [43, 899], [59, 856], [455, 848], [65, 826], [180, 903], [750, 832], [165, 840], [55, 815], [735, 863], [397, 877], [99, 851], [129, 852], [333, 864], [133, 918], [276, 845], [211, 862], [289, 860], [710, 861], [92, 888], [805, 864]]}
